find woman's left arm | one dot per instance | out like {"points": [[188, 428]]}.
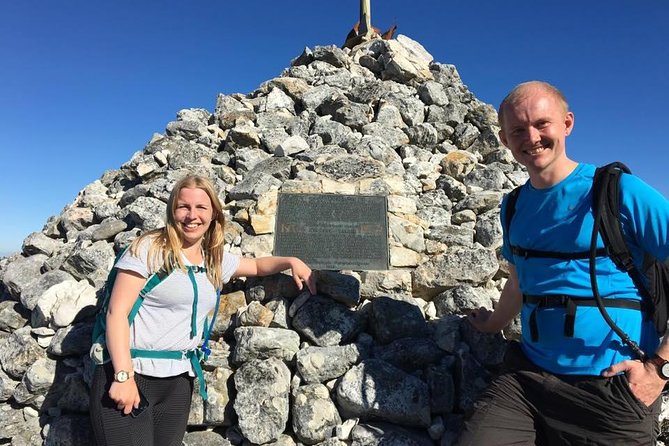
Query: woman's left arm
{"points": [[265, 266]]}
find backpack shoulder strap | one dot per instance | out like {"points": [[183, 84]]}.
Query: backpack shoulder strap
{"points": [[606, 208], [606, 191], [511, 208]]}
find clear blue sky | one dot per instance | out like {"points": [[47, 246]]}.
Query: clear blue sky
{"points": [[84, 84]]}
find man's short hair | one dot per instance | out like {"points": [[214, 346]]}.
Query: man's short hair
{"points": [[519, 90]]}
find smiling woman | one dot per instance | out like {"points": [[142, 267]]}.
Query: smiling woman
{"points": [[144, 372]]}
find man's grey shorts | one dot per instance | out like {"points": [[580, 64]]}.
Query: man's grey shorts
{"points": [[526, 405]]}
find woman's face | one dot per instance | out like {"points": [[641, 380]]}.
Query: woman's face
{"points": [[193, 215]]}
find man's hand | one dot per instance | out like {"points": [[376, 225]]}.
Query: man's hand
{"points": [[643, 379]]}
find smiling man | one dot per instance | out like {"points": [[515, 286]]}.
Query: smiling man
{"points": [[570, 380]]}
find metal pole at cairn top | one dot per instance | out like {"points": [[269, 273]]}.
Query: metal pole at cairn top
{"points": [[365, 18]]}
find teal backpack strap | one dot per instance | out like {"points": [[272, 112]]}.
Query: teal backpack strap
{"points": [[154, 281], [195, 356], [208, 327]]}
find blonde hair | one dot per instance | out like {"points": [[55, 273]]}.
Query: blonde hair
{"points": [[519, 91], [166, 242]]}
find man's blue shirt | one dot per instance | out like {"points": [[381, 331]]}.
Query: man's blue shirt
{"points": [[560, 219]]}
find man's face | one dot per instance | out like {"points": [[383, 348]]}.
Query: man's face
{"points": [[535, 128]]}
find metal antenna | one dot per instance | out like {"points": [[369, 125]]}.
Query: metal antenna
{"points": [[365, 19]]}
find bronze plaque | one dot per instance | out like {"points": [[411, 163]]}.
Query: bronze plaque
{"points": [[333, 232]]}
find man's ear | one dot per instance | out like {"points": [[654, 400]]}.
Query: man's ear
{"points": [[569, 123], [502, 137]]}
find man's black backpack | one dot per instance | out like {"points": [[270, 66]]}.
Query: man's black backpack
{"points": [[652, 280]]}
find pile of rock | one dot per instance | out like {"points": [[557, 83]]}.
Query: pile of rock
{"points": [[377, 355]]}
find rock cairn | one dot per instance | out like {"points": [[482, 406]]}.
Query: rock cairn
{"points": [[378, 356]]}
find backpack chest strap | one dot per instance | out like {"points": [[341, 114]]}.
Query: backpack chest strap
{"points": [[570, 303]]}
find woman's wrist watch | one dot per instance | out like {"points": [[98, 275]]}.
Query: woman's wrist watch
{"points": [[661, 365], [122, 376]]}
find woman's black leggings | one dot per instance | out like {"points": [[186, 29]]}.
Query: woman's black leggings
{"points": [[163, 423]]}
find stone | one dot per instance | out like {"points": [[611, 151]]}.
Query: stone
{"points": [[314, 414], [18, 352], [376, 390], [262, 399], [321, 364], [263, 343], [325, 322], [392, 319], [39, 243], [457, 265], [19, 274]]}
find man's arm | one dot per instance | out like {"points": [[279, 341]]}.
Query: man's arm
{"points": [[509, 305]]}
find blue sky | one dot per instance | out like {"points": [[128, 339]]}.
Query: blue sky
{"points": [[84, 84]]}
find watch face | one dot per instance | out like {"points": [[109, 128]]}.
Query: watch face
{"points": [[122, 376], [664, 370]]}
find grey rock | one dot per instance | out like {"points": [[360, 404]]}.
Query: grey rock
{"points": [[72, 340], [489, 230], [376, 390], [471, 380], [410, 354], [439, 378], [408, 234], [351, 168], [457, 265], [387, 434], [343, 288], [253, 186], [313, 98], [464, 298], [189, 130], [277, 99], [20, 273], [331, 54], [32, 293], [262, 399], [332, 132], [278, 167], [423, 134], [392, 319], [7, 385], [325, 322], [487, 348], [263, 343], [321, 364], [454, 189], [480, 202], [39, 243], [16, 426], [229, 110], [487, 178], [40, 375], [12, 316], [108, 229], [146, 213], [18, 352], [205, 438], [314, 414], [291, 145], [392, 135], [433, 93], [465, 135], [91, 262], [452, 235], [74, 219], [411, 108]]}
